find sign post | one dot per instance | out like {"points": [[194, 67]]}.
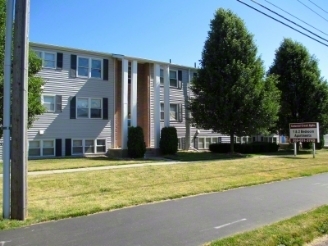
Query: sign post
{"points": [[305, 132]]}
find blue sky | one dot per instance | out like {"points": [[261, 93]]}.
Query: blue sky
{"points": [[170, 29]]}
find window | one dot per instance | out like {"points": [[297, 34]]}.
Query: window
{"points": [[48, 148], [38, 148], [49, 103], [173, 112], [173, 78], [214, 140], [219, 139], [34, 148], [101, 145], [89, 67], [89, 108], [161, 76], [207, 142], [201, 143], [77, 147], [48, 58], [88, 146], [275, 140], [129, 72]]}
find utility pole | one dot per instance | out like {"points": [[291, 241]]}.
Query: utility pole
{"points": [[6, 110], [19, 112]]}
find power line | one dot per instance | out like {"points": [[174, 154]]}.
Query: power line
{"points": [[318, 6], [283, 23], [312, 10], [290, 21], [296, 17]]}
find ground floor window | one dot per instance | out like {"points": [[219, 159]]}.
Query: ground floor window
{"points": [[88, 146], [38, 148], [204, 142]]}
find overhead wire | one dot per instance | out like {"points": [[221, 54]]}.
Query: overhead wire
{"points": [[312, 10], [318, 6], [290, 21], [297, 18], [283, 23]]}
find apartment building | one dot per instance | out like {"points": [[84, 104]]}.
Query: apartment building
{"points": [[93, 97]]}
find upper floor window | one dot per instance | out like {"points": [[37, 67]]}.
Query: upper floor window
{"points": [[161, 76], [48, 58], [173, 78], [89, 108], [49, 103], [173, 112], [89, 67]]}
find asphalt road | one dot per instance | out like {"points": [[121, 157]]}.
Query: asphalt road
{"points": [[188, 221]]}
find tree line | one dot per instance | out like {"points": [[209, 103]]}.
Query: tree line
{"points": [[233, 94]]}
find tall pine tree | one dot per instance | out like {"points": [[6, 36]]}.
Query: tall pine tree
{"points": [[230, 92]]}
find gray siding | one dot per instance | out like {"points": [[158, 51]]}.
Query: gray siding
{"points": [[59, 125]]}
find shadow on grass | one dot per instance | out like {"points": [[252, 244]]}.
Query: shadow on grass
{"points": [[207, 156], [204, 156]]}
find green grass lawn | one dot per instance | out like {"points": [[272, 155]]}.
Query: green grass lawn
{"points": [[206, 155], [57, 196], [67, 163], [298, 230]]}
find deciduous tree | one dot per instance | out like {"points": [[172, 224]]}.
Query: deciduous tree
{"points": [[230, 92], [304, 93], [35, 82]]}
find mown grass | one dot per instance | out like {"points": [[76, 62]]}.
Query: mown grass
{"points": [[67, 163], [297, 230], [57, 196], [206, 155]]}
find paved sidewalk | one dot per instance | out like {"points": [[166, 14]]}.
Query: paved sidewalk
{"points": [[189, 221]]}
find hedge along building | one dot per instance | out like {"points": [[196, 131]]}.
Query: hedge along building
{"points": [[93, 97]]}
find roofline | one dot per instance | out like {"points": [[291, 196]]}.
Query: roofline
{"points": [[117, 56]]}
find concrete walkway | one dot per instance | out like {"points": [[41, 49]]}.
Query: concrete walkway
{"points": [[166, 162], [86, 169]]}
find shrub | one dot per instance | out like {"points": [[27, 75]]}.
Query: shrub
{"points": [[250, 148], [136, 142], [306, 145], [321, 144], [169, 141]]}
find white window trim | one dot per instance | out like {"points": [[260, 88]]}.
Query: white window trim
{"points": [[49, 95], [177, 79], [83, 146], [177, 112], [41, 148], [89, 67], [43, 58], [89, 108]]}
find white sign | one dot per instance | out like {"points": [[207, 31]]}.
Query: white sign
{"points": [[304, 132]]}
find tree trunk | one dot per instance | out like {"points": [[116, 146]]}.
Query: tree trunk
{"points": [[232, 143]]}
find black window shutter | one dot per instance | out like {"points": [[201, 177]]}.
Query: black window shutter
{"points": [[73, 65], [105, 69], [59, 60], [59, 103], [68, 147], [105, 108], [180, 79], [195, 74], [59, 147], [73, 108]]}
